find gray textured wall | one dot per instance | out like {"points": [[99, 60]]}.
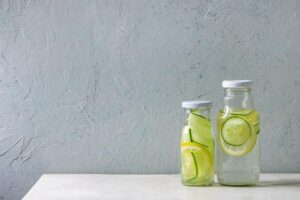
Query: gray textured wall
{"points": [[96, 86]]}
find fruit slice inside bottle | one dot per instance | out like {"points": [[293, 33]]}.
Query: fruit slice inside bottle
{"points": [[200, 129], [236, 131], [189, 168], [196, 162], [238, 136], [251, 115], [196, 159]]}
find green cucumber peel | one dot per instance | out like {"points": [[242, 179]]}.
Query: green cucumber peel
{"points": [[191, 139], [199, 115], [236, 145], [196, 167]]}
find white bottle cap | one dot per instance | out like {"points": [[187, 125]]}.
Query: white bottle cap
{"points": [[236, 83], [196, 104]]}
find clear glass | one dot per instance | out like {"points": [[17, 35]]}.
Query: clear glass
{"points": [[197, 148], [237, 146]]}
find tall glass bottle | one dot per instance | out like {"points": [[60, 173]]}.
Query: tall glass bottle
{"points": [[238, 136], [197, 145]]}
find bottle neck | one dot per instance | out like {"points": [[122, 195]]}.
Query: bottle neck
{"points": [[238, 98]]}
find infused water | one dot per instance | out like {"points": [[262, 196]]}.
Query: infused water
{"points": [[238, 147]]}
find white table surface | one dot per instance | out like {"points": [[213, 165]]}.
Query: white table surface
{"points": [[157, 187]]}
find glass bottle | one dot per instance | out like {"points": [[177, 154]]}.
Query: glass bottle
{"points": [[197, 145], [238, 136]]}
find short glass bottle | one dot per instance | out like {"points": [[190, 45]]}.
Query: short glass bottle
{"points": [[238, 136], [197, 145]]}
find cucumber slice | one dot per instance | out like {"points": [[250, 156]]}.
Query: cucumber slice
{"points": [[235, 131], [200, 129], [189, 168], [185, 136], [254, 118], [193, 145], [251, 115], [238, 136], [197, 118], [196, 161], [194, 141], [196, 144], [203, 159], [256, 127]]}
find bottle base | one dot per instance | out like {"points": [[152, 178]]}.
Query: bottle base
{"points": [[237, 184], [238, 179], [199, 184]]}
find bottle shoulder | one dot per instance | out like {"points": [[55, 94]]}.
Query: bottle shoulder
{"points": [[238, 111], [251, 115]]}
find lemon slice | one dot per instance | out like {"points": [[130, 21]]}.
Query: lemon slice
{"points": [[238, 136], [196, 161]]}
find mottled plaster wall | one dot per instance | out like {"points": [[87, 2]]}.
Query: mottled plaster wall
{"points": [[96, 86]]}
